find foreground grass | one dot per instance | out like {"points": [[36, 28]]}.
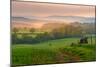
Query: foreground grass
{"points": [[54, 51]]}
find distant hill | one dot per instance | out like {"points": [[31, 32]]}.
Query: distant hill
{"points": [[66, 19], [52, 22], [73, 19], [21, 22], [16, 19], [50, 26]]}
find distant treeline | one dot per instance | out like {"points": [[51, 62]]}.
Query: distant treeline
{"points": [[64, 31]]}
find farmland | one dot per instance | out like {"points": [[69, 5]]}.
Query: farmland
{"points": [[51, 45], [53, 51], [51, 34]]}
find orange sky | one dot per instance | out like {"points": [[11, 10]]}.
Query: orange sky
{"points": [[46, 9]]}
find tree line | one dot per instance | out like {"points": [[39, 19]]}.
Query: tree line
{"points": [[56, 33]]}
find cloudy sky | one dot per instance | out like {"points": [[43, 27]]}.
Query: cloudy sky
{"points": [[47, 9]]}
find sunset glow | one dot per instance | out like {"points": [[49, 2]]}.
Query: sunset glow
{"points": [[45, 9]]}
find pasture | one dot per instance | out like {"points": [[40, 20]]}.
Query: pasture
{"points": [[53, 51]]}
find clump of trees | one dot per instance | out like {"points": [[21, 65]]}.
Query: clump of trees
{"points": [[56, 33]]}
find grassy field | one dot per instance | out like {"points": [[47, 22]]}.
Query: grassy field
{"points": [[53, 51]]}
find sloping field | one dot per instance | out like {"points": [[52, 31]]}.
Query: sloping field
{"points": [[53, 51]]}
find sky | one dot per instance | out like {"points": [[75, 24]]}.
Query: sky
{"points": [[29, 9], [90, 2]]}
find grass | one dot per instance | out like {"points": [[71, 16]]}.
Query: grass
{"points": [[84, 52], [33, 56], [53, 51], [50, 44]]}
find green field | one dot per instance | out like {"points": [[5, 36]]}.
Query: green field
{"points": [[53, 51]]}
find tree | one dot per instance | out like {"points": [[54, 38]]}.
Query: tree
{"points": [[15, 30], [55, 33], [32, 30]]}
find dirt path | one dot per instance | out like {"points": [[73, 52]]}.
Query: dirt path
{"points": [[64, 56]]}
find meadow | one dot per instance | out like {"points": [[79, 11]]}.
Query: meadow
{"points": [[53, 51], [52, 34], [53, 44]]}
